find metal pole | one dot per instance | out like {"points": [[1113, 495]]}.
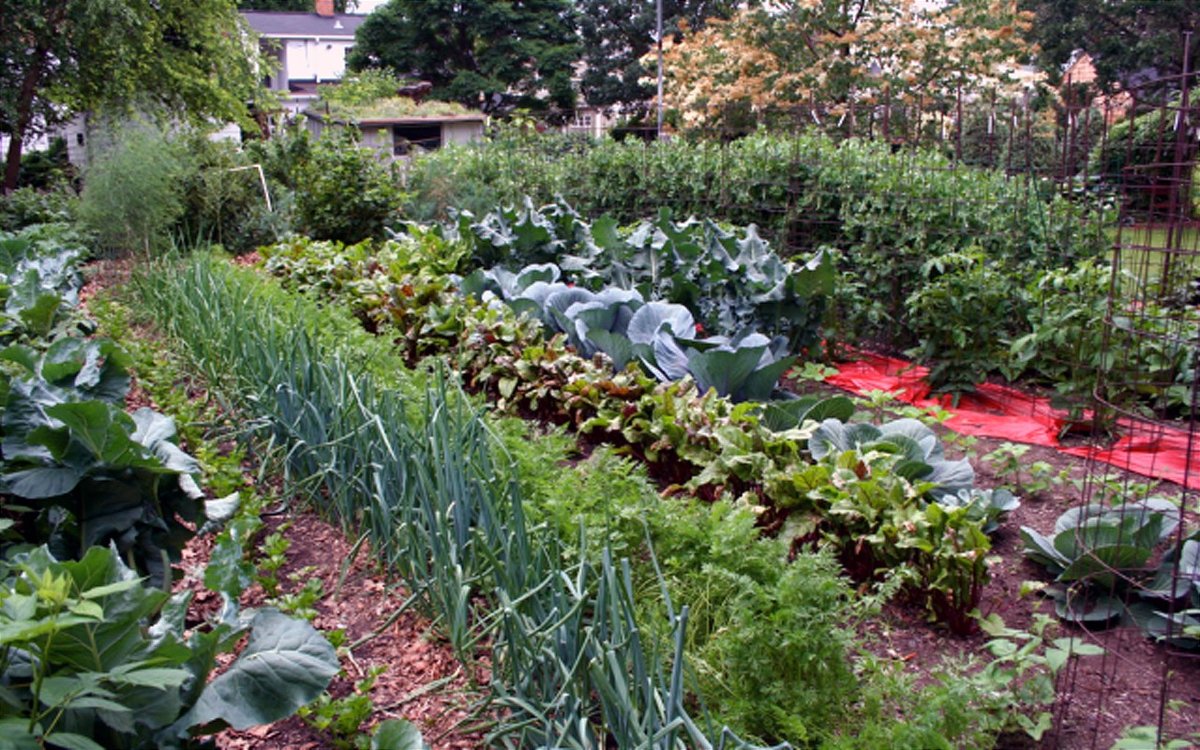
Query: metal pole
{"points": [[659, 28]]}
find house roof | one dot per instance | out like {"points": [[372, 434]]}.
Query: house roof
{"points": [[291, 25]]}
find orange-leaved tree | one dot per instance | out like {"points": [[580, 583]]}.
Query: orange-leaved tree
{"points": [[841, 52]]}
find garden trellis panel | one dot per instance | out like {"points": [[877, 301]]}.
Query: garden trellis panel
{"points": [[1149, 387]]}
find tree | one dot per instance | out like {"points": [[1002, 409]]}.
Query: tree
{"points": [[476, 50], [1128, 40], [62, 57], [617, 34], [842, 52]]}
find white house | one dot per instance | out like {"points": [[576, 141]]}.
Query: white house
{"points": [[307, 49]]}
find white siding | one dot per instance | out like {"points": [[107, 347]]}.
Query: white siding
{"points": [[380, 139], [319, 60], [461, 132]]}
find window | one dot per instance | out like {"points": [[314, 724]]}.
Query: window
{"points": [[423, 136]]}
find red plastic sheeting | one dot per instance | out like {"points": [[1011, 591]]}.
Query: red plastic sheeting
{"points": [[997, 411]]}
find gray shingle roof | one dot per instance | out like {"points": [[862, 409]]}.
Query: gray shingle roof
{"points": [[278, 24]]}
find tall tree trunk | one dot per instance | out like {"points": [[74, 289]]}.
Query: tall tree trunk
{"points": [[29, 88], [12, 165], [39, 61]]}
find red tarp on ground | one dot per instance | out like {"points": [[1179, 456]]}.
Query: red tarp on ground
{"points": [[998, 411]]}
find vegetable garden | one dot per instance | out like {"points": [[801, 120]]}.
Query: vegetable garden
{"points": [[579, 406]]}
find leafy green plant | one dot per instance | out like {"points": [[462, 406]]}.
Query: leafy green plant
{"points": [[302, 601], [1028, 662], [81, 669], [341, 719], [90, 473], [890, 500], [27, 206], [344, 192], [39, 283], [963, 315], [1096, 552], [920, 452], [1028, 477], [662, 336], [728, 282], [272, 557]]}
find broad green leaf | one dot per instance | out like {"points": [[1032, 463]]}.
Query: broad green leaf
{"points": [[397, 734], [655, 317], [161, 678], [1098, 564], [38, 484], [723, 370], [70, 741], [101, 427], [22, 355], [1042, 550], [39, 317], [1081, 609], [111, 588], [761, 383], [286, 664], [15, 735]]}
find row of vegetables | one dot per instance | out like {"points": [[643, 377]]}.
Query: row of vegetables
{"points": [[698, 410], [606, 340]]}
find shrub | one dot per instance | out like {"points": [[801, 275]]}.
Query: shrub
{"points": [[26, 206], [46, 168], [345, 193]]}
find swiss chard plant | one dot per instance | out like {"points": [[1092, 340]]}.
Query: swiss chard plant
{"points": [[889, 499]]}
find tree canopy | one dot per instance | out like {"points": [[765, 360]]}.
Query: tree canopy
{"points": [[835, 52], [1129, 40], [61, 57], [475, 51], [617, 34]]}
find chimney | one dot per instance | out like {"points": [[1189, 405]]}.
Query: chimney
{"points": [[324, 8]]}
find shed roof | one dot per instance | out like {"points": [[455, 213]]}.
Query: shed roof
{"points": [[293, 25]]}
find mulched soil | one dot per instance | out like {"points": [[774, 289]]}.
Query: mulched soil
{"points": [[422, 681], [1098, 695]]}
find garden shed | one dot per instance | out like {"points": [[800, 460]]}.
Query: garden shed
{"points": [[399, 136]]}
